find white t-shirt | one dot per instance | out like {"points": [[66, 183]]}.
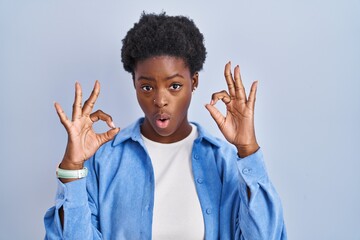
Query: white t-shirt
{"points": [[177, 212]]}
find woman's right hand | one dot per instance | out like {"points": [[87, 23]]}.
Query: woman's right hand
{"points": [[83, 142]]}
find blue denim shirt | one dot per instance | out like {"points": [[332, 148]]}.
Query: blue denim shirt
{"points": [[116, 199]]}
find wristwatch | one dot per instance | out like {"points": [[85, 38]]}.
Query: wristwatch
{"points": [[62, 173]]}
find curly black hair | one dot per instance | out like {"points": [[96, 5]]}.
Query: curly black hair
{"points": [[163, 35]]}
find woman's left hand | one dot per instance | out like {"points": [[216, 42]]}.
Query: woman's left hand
{"points": [[238, 124]]}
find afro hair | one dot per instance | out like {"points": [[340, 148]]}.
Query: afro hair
{"points": [[163, 35]]}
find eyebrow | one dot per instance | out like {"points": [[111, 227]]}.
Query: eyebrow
{"points": [[153, 79]]}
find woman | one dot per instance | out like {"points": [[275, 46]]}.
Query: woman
{"points": [[164, 177]]}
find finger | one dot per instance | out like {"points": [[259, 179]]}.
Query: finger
{"points": [[252, 95], [63, 118], [216, 115], [89, 104], [229, 79], [107, 136], [76, 114], [239, 87], [223, 95], [100, 115]]}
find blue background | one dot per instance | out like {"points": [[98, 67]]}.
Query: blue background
{"points": [[305, 54]]}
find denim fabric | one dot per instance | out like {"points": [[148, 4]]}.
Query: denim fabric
{"points": [[115, 200]]}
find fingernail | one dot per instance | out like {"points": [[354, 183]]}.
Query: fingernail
{"points": [[211, 102], [112, 125]]}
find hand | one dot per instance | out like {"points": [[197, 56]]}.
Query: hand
{"points": [[238, 124], [83, 142]]}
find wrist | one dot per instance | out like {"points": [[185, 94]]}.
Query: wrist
{"points": [[66, 165], [247, 150]]}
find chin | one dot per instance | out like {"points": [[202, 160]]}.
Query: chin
{"points": [[164, 132]]}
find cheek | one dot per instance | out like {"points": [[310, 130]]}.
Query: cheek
{"points": [[184, 103], [143, 102]]}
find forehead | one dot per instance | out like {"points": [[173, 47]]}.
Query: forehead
{"points": [[161, 66]]}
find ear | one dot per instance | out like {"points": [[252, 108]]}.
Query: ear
{"points": [[195, 81], [133, 79]]}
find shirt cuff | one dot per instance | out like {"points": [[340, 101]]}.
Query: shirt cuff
{"points": [[73, 194], [252, 168]]}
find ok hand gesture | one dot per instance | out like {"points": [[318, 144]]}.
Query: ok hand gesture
{"points": [[238, 124], [82, 140]]}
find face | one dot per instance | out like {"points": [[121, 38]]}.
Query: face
{"points": [[164, 88]]}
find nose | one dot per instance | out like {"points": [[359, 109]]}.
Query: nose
{"points": [[160, 99]]}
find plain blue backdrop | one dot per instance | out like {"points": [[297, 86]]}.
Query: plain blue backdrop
{"points": [[305, 54]]}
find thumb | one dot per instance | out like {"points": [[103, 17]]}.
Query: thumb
{"points": [[107, 136], [215, 114]]}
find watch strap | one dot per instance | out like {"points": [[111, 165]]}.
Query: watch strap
{"points": [[63, 173]]}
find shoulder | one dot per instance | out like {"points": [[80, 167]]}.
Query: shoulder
{"points": [[215, 153]]}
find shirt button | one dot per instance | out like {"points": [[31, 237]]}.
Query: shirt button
{"points": [[246, 171], [147, 208], [196, 156], [200, 180], [208, 211]]}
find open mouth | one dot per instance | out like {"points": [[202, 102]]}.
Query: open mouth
{"points": [[162, 121]]}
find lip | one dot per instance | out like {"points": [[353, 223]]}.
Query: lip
{"points": [[162, 120]]}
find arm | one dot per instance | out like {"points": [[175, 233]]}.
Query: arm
{"points": [[238, 124], [261, 215], [80, 213], [260, 211], [71, 217]]}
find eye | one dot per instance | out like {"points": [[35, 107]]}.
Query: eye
{"points": [[146, 88], [175, 86]]}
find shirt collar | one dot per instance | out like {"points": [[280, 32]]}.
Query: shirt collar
{"points": [[133, 132], [204, 135]]}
